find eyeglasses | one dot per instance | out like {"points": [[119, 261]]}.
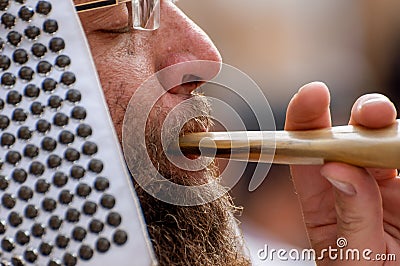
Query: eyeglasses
{"points": [[145, 13]]}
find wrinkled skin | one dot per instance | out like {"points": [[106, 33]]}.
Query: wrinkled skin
{"points": [[338, 200], [124, 58], [365, 209]]}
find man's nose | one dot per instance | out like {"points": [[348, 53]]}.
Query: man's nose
{"points": [[185, 54]]}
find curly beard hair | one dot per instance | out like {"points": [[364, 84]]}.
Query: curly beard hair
{"points": [[206, 234]]}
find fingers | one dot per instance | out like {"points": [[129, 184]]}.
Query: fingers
{"points": [[382, 174], [374, 111], [358, 206], [309, 108]]}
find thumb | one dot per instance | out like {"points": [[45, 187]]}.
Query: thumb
{"points": [[358, 206]]}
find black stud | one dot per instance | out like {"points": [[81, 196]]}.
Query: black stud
{"points": [[43, 68], [50, 26], [24, 133], [73, 96], [107, 201], [13, 97], [19, 115], [22, 237], [55, 222], [85, 252], [84, 131], [49, 204], [45, 248], [25, 193], [20, 56], [68, 78], [96, 226], [83, 190], [102, 245], [30, 255], [62, 62], [62, 241], [79, 233], [49, 85], [14, 219], [60, 179], [13, 157], [38, 230], [26, 73], [8, 80], [7, 244], [4, 4], [31, 91], [78, 112], [3, 227], [36, 168], [89, 148], [120, 237], [89, 208], [42, 186], [8, 201], [72, 215], [101, 183], [65, 197], [54, 262], [49, 144], [26, 13], [53, 161], [8, 20], [54, 101], [4, 182], [66, 137], [19, 175], [60, 119], [31, 212], [14, 38], [32, 33], [114, 219], [56, 44], [4, 122], [43, 7], [71, 155], [5, 62], [38, 50], [77, 172], [69, 259], [7, 140], [43, 126]]}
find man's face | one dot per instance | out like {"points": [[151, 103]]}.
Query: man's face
{"points": [[124, 58]]}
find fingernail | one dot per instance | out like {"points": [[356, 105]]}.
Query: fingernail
{"points": [[346, 188], [372, 101]]}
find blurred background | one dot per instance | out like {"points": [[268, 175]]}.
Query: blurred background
{"points": [[352, 46]]}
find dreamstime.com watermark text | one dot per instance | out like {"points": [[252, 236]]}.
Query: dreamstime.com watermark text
{"points": [[341, 252]]}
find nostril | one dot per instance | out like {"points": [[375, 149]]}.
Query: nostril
{"points": [[191, 82], [188, 78], [185, 74]]}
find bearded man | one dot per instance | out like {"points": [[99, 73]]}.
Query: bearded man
{"points": [[337, 199]]}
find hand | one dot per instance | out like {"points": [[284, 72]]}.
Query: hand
{"points": [[340, 200]]}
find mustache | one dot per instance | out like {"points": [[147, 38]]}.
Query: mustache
{"points": [[165, 126], [168, 124]]}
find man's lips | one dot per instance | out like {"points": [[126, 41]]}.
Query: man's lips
{"points": [[189, 84], [198, 130]]}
